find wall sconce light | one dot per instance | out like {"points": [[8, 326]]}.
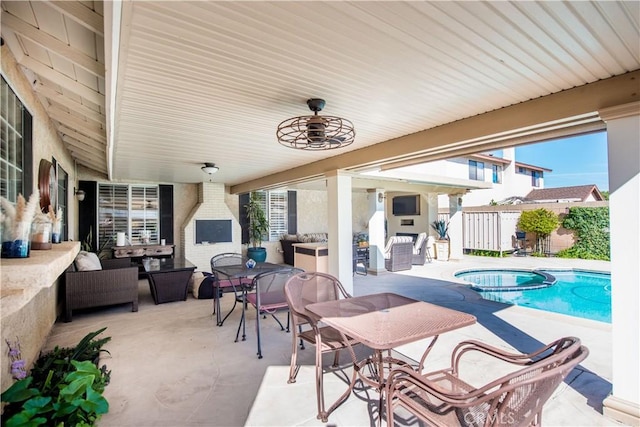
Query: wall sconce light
{"points": [[380, 197], [80, 194]]}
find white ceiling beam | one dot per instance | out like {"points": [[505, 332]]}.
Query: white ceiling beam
{"points": [[84, 146], [82, 126], [88, 162], [96, 158], [81, 14], [12, 41], [49, 42], [62, 80], [56, 111], [77, 135], [65, 101]]}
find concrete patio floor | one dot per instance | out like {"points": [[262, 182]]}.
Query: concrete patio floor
{"points": [[171, 366]]}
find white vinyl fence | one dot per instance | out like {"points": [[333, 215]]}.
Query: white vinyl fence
{"points": [[492, 231]]}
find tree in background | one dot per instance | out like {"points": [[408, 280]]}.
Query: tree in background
{"points": [[539, 221]]}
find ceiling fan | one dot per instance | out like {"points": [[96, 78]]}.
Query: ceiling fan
{"points": [[316, 132]]}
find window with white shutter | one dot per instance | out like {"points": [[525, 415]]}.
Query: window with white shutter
{"points": [[129, 209], [277, 214]]}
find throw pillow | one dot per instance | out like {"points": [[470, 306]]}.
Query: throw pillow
{"points": [[87, 261], [194, 283]]}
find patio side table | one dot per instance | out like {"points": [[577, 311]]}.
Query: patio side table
{"points": [[168, 278]]}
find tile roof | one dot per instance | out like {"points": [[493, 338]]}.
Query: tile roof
{"points": [[577, 193]]}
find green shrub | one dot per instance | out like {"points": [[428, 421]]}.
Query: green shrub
{"points": [[592, 236], [488, 253], [64, 389]]}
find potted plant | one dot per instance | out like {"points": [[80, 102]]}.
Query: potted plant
{"points": [[258, 227], [442, 244]]}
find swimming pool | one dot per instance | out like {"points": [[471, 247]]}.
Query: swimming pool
{"points": [[575, 292]]}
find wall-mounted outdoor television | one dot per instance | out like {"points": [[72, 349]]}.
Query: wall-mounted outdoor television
{"points": [[213, 231], [406, 205]]}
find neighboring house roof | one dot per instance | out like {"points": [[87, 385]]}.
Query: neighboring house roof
{"points": [[532, 167], [579, 193], [495, 159]]}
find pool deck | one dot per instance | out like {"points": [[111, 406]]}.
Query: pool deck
{"points": [[171, 366]]}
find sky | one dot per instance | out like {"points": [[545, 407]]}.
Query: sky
{"points": [[578, 160]]}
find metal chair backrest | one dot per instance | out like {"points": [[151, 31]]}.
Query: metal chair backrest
{"points": [[269, 287], [517, 397], [227, 258], [307, 288], [527, 390]]}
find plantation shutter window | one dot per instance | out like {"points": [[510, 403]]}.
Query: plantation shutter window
{"points": [[113, 213], [129, 209], [144, 218], [277, 214]]}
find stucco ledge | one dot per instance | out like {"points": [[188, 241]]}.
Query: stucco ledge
{"points": [[22, 278]]}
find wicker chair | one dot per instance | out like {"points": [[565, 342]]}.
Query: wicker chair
{"points": [[116, 283], [421, 249], [442, 398], [398, 253]]}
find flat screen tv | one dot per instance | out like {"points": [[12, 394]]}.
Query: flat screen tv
{"points": [[406, 205], [213, 231]]}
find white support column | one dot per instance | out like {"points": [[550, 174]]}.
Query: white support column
{"points": [[455, 227], [432, 215], [623, 140], [376, 231], [340, 228]]}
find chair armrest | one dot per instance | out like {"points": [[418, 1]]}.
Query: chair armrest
{"points": [[473, 345], [109, 264], [405, 377], [513, 358], [109, 276]]}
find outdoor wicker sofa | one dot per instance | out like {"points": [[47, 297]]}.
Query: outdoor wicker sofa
{"points": [[116, 283]]}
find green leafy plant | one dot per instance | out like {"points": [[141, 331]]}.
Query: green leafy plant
{"points": [[258, 223], [539, 221], [64, 389], [591, 226], [441, 227]]}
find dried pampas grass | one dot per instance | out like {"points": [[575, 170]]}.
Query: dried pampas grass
{"points": [[16, 220]]}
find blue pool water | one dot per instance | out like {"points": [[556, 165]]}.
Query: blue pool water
{"points": [[575, 293]]}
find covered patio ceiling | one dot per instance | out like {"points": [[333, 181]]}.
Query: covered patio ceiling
{"points": [[150, 90]]}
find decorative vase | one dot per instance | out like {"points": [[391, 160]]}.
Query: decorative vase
{"points": [[41, 236], [55, 232], [257, 254], [20, 247]]}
